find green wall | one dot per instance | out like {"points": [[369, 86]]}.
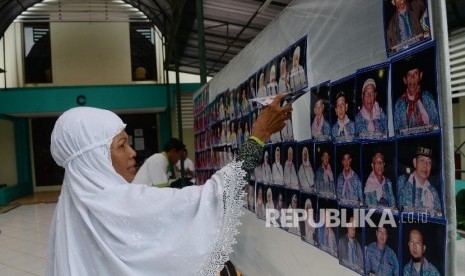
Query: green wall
{"points": [[29, 102]]}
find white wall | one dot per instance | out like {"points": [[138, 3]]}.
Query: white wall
{"points": [[90, 53]]}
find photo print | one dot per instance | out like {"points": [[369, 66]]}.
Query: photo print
{"points": [[306, 173], [319, 114], [406, 24], [326, 234], [414, 92], [343, 113], [381, 246], [293, 216], [379, 175], [277, 169], [298, 70], [350, 245], [290, 178], [419, 183], [371, 97], [423, 246], [259, 201], [308, 229], [348, 182], [324, 174]]}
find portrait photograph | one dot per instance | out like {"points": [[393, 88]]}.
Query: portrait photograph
{"points": [[290, 177], [319, 113], [414, 92], [349, 187], [261, 83], [277, 160], [292, 204], [297, 58], [325, 171], [284, 85], [406, 24], [252, 87], [306, 167], [245, 106], [271, 78], [343, 109], [264, 175], [308, 229], [423, 247], [371, 98], [419, 183], [250, 193], [379, 175], [279, 201], [327, 236], [350, 244], [260, 191], [381, 246]]}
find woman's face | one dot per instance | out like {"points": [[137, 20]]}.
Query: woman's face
{"points": [[277, 156], [122, 157]]}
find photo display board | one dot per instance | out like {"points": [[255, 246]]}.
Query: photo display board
{"points": [[375, 147]]}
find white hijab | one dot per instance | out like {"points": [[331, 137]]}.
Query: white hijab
{"points": [[104, 226]]}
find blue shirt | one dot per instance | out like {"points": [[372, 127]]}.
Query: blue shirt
{"points": [[400, 112], [387, 198], [361, 126], [354, 193], [381, 261], [324, 187], [327, 242], [413, 201], [427, 269], [343, 136]]}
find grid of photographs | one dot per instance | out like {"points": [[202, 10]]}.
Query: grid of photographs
{"points": [[375, 148]]}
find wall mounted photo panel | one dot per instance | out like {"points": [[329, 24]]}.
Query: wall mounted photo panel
{"points": [[414, 92], [423, 246], [290, 178], [371, 98], [319, 113], [277, 159], [381, 246], [419, 183], [324, 174], [260, 200], [298, 71], [406, 24], [379, 175], [326, 234], [306, 166], [308, 229], [343, 113], [349, 187], [350, 237]]}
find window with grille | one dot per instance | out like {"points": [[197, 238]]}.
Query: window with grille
{"points": [[142, 51], [37, 53]]}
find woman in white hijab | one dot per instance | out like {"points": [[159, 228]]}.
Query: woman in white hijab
{"points": [[306, 175], [309, 229], [269, 199], [105, 226], [290, 175], [277, 168], [266, 175]]}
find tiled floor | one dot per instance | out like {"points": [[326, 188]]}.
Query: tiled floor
{"points": [[24, 236]]}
